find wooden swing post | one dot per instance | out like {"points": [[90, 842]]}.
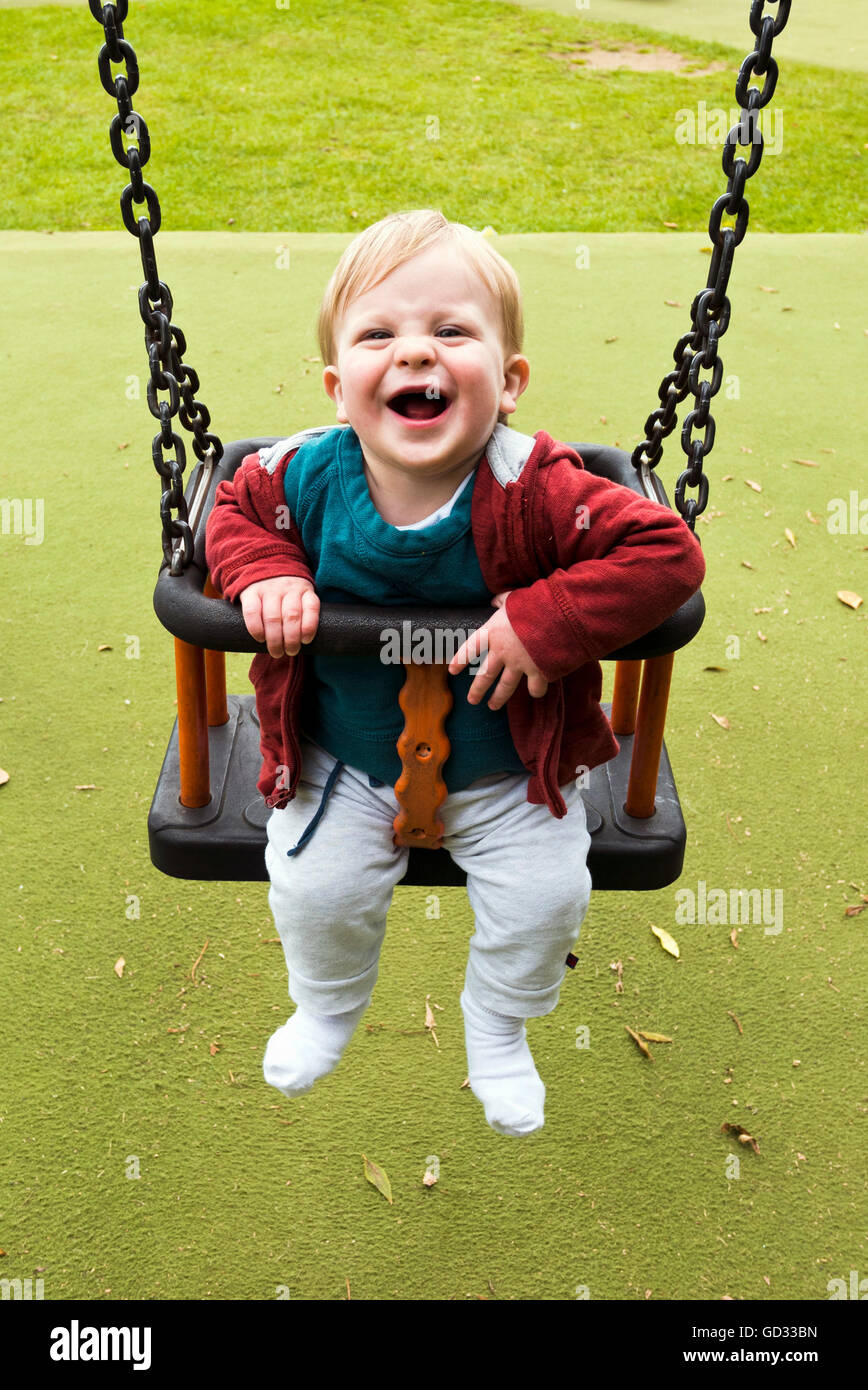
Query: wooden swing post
{"points": [[625, 696], [648, 738], [192, 724]]}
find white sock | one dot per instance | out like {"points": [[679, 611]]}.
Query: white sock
{"points": [[501, 1070], [307, 1047]]}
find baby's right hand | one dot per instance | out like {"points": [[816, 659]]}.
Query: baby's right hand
{"points": [[282, 613]]}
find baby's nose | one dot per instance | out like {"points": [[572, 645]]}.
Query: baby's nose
{"points": [[414, 351]]}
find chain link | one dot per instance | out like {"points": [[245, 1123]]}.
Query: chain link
{"points": [[697, 351], [164, 341]]}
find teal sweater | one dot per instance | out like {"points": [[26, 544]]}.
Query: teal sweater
{"points": [[351, 703]]}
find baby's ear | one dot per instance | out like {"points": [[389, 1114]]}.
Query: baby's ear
{"points": [[332, 383]]}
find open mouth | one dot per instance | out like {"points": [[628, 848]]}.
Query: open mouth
{"points": [[418, 405]]}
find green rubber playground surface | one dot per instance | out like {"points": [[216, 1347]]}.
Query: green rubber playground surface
{"points": [[240, 1191], [142, 1156]]}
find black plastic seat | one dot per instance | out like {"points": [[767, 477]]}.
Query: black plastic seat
{"points": [[226, 839]]}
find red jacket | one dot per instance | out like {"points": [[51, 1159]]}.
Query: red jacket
{"points": [[592, 565]]}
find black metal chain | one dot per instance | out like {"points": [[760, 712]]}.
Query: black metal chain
{"points": [[164, 341], [697, 351]]}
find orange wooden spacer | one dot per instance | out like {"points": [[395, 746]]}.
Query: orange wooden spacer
{"points": [[192, 724], [625, 696], [215, 674], [648, 739], [423, 748]]}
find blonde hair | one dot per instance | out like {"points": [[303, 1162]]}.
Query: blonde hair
{"points": [[382, 247]]}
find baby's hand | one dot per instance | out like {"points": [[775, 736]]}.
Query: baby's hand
{"points": [[504, 653], [282, 613]]}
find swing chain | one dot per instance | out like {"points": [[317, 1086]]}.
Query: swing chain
{"points": [[164, 341], [697, 350]]}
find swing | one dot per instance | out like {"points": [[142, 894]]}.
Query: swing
{"points": [[207, 820]]}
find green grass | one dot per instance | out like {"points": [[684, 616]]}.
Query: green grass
{"points": [[316, 119]]}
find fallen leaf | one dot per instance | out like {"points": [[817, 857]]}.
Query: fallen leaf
{"points": [[854, 911], [375, 1175], [118, 967], [642, 1046], [762, 610], [814, 520], [214, 1049], [722, 720], [674, 303], [197, 960], [619, 983], [847, 596], [761, 636], [311, 359], [428, 1180], [807, 463], [670, 224], [85, 787], [790, 537], [767, 1280], [735, 1020], [4, 776], [745, 449], [104, 647], [741, 1134], [124, 446], [733, 936], [756, 486], [666, 941], [653, 1037], [612, 340], [716, 668], [747, 564], [768, 289]]}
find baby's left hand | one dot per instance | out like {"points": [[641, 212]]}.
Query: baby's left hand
{"points": [[504, 653]]}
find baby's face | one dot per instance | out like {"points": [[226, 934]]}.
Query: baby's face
{"points": [[420, 372]]}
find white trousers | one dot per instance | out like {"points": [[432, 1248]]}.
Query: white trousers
{"points": [[527, 881]]}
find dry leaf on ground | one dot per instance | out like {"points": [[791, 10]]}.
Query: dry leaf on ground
{"points": [[757, 487], [378, 1178], [666, 941], [790, 537], [722, 720], [847, 596], [118, 966], [741, 1134], [642, 1046], [653, 1037], [4, 776]]}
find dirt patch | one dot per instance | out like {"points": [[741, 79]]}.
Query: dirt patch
{"points": [[636, 59]]}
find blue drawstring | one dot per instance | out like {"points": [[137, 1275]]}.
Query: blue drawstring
{"points": [[309, 829]]}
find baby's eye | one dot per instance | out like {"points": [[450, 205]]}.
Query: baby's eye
{"points": [[376, 333], [451, 328]]}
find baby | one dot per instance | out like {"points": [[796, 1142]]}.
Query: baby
{"points": [[422, 495]]}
